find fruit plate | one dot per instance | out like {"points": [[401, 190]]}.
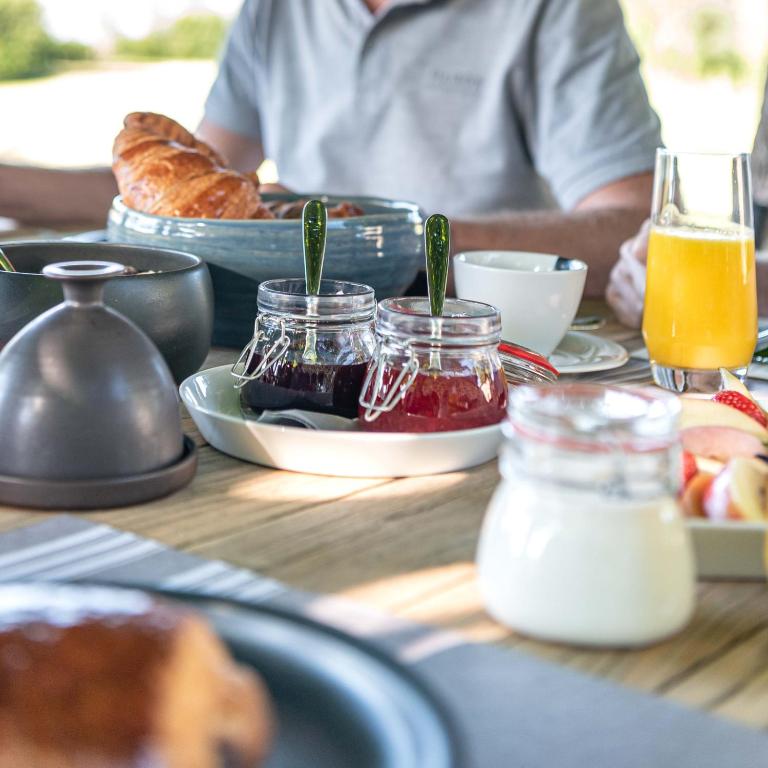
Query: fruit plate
{"points": [[729, 550], [726, 549], [214, 405]]}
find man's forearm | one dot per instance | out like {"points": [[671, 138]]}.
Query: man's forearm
{"points": [[591, 235], [56, 197]]}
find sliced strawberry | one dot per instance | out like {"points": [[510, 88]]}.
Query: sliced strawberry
{"points": [[689, 467], [742, 403]]}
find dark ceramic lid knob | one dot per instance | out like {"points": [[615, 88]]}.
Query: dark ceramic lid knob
{"points": [[83, 281]]}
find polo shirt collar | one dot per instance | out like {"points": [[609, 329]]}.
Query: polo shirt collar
{"points": [[395, 3], [361, 9]]}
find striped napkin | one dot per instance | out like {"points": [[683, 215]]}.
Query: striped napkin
{"points": [[69, 548], [513, 710]]}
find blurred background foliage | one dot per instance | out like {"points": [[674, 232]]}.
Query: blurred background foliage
{"points": [[700, 38], [26, 49], [196, 36], [693, 38], [703, 61], [716, 48]]}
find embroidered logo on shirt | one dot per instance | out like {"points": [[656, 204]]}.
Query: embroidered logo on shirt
{"points": [[464, 82]]}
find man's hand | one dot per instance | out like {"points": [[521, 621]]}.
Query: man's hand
{"points": [[626, 286], [55, 198], [592, 232]]}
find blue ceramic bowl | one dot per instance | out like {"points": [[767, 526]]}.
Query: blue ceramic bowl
{"points": [[383, 249]]}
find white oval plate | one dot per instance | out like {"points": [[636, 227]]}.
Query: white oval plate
{"points": [[585, 353], [214, 405]]}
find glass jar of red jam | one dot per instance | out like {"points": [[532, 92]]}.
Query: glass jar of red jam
{"points": [[434, 374], [307, 352]]}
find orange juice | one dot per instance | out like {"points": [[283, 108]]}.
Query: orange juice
{"points": [[700, 298]]}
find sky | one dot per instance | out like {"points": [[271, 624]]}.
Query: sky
{"points": [[96, 21]]}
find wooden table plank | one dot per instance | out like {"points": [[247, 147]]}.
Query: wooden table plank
{"points": [[227, 498], [220, 502], [401, 527], [733, 684]]}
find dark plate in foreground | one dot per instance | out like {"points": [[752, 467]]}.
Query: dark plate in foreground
{"points": [[340, 704]]}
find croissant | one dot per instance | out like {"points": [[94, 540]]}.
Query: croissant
{"points": [[161, 168]]}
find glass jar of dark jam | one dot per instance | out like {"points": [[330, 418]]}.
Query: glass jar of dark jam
{"points": [[434, 374], [307, 352]]}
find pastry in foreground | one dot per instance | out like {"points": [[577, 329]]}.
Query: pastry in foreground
{"points": [[100, 678]]}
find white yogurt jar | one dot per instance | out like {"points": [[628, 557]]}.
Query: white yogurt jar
{"points": [[583, 541]]}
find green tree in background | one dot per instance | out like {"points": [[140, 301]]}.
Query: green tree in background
{"points": [[24, 45], [26, 50], [198, 36], [706, 40], [716, 49]]}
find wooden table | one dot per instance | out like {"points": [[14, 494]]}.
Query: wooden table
{"points": [[407, 547]]}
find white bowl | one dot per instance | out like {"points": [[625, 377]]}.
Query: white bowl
{"points": [[537, 294]]}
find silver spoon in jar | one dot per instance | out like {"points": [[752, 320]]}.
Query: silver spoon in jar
{"points": [[313, 224], [437, 245]]}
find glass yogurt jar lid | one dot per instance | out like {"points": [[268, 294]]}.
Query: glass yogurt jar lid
{"points": [[338, 300], [463, 323], [594, 417]]}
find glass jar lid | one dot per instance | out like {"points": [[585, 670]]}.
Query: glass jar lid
{"points": [[524, 366], [337, 301], [463, 323], [594, 417]]}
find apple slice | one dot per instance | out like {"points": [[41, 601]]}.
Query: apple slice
{"points": [[739, 492], [693, 495], [720, 443], [698, 412], [711, 466]]}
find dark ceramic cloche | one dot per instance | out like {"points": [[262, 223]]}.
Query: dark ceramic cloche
{"points": [[88, 408]]}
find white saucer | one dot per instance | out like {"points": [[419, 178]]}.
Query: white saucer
{"points": [[585, 353], [214, 405]]}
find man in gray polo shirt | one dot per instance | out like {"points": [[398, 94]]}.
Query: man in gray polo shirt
{"points": [[474, 108], [525, 121]]}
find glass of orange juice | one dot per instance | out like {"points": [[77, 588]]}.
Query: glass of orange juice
{"points": [[700, 297]]}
